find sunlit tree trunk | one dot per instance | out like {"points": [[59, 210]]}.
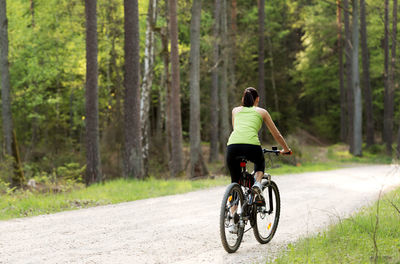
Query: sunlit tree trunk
{"points": [[343, 124], [5, 85], [357, 136], [224, 111], [348, 67], [133, 163], [366, 82], [93, 164], [147, 82], [175, 103], [391, 85], [5, 80], [197, 165], [214, 95]]}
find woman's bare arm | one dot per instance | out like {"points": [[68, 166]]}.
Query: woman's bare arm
{"points": [[274, 131]]}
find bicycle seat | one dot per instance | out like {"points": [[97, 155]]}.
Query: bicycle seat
{"points": [[241, 158]]}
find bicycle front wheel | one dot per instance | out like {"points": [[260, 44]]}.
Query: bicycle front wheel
{"points": [[267, 216], [230, 230]]}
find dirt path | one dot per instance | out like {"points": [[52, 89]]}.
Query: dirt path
{"points": [[184, 228]]}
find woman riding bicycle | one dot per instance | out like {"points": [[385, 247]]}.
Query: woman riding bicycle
{"points": [[243, 141]]}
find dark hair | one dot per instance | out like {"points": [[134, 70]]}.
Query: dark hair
{"points": [[249, 96]]}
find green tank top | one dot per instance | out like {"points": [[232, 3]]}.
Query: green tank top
{"points": [[247, 123]]}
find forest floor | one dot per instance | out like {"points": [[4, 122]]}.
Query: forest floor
{"points": [[184, 228]]}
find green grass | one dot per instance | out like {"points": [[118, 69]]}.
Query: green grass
{"points": [[352, 240], [22, 204], [26, 203]]}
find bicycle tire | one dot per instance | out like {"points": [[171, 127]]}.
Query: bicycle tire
{"points": [[231, 190], [272, 219]]}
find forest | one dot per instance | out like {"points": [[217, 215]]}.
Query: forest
{"points": [[98, 90]]}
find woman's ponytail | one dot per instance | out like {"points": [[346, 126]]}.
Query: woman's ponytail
{"points": [[249, 96]]}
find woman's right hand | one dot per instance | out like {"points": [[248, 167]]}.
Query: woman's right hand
{"points": [[286, 152]]}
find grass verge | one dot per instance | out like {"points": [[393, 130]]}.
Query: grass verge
{"points": [[26, 203], [371, 236]]}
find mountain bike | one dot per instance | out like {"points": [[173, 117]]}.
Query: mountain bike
{"points": [[242, 205]]}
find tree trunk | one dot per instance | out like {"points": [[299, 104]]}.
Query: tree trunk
{"points": [[133, 163], [357, 136], [175, 103], [343, 124], [391, 85], [5, 81], [224, 113], [232, 55], [271, 64], [348, 67], [147, 82], [386, 119], [197, 166], [261, 58], [214, 87], [32, 8], [166, 94], [93, 164], [367, 82]]}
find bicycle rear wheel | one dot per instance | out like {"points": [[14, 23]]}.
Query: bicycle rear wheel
{"points": [[231, 206], [267, 216]]}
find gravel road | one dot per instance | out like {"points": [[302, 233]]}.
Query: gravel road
{"points": [[184, 228]]}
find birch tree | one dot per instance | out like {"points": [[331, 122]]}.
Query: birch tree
{"points": [[147, 81]]}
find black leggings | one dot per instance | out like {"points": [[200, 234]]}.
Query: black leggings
{"points": [[252, 153]]}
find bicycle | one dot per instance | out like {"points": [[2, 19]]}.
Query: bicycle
{"points": [[242, 205]]}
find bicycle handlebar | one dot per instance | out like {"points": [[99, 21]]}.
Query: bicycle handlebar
{"points": [[275, 151]]}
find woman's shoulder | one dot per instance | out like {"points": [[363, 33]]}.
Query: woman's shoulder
{"points": [[260, 110], [237, 109]]}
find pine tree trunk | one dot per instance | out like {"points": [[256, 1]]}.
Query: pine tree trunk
{"points": [[93, 164], [147, 83], [343, 123], [273, 83], [232, 55], [175, 103], [197, 166], [357, 136], [214, 100], [391, 85], [386, 119], [224, 112], [261, 58], [367, 82], [133, 163], [348, 67], [5, 81]]}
